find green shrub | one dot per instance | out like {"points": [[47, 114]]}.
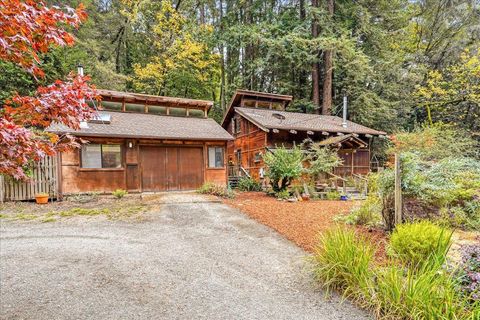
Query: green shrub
{"points": [[342, 261], [283, 165], [333, 195], [415, 242], [429, 292], [435, 142], [216, 190], [284, 194], [249, 184], [119, 193], [322, 159], [368, 213]]}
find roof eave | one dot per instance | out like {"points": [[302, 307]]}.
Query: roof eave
{"points": [[132, 136]]}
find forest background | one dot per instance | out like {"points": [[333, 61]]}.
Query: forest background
{"points": [[401, 63]]}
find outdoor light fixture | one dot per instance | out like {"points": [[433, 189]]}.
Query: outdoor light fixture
{"points": [[130, 144], [80, 69]]}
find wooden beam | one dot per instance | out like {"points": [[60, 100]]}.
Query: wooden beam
{"points": [[123, 105], [275, 130], [168, 111], [205, 112], [187, 112]]}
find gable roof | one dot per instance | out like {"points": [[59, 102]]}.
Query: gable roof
{"points": [[268, 119], [253, 95], [265, 96], [348, 138], [153, 126]]}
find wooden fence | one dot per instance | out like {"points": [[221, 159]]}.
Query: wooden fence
{"points": [[44, 179]]}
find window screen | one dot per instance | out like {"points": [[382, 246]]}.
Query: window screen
{"points": [[215, 157], [101, 156]]}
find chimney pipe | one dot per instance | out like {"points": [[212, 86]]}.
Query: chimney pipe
{"points": [[344, 122]]}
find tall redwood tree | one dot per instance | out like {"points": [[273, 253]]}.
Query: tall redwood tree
{"points": [[28, 28]]}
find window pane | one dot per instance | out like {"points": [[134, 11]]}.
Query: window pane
{"points": [[219, 157], [211, 157], [91, 156], [111, 156]]}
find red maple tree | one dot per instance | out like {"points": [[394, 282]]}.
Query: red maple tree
{"points": [[29, 28]]}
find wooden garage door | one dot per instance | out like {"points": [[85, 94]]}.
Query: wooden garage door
{"points": [[171, 168]]}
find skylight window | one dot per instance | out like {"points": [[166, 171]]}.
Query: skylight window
{"points": [[279, 116], [101, 118]]}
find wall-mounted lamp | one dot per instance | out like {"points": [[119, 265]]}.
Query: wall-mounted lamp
{"points": [[130, 144], [80, 69]]}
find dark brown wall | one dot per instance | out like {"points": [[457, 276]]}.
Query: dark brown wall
{"points": [[355, 161], [251, 140], [75, 179]]}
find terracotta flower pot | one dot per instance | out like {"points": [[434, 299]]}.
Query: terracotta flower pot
{"points": [[41, 198]]}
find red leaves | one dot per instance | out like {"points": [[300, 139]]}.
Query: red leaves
{"points": [[63, 102], [27, 29], [22, 137]]}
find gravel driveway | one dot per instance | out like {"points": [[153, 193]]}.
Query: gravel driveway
{"points": [[193, 259]]}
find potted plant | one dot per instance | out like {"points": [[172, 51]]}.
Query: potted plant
{"points": [[41, 198]]}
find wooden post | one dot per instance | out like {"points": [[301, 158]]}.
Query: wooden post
{"points": [[2, 189], [398, 191]]}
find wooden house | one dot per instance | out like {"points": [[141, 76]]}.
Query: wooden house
{"points": [[259, 123], [144, 143]]}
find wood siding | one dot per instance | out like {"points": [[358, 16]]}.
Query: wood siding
{"points": [[251, 140], [76, 179], [355, 161], [248, 144]]}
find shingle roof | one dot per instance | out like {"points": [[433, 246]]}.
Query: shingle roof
{"points": [[143, 125], [283, 120]]}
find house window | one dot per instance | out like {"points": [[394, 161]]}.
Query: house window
{"points": [[215, 157], [101, 156], [236, 125]]}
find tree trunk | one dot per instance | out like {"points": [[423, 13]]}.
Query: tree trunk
{"points": [[222, 62], [316, 64], [328, 69], [249, 49], [302, 74]]}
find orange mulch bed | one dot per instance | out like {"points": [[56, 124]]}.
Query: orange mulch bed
{"points": [[300, 222]]}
